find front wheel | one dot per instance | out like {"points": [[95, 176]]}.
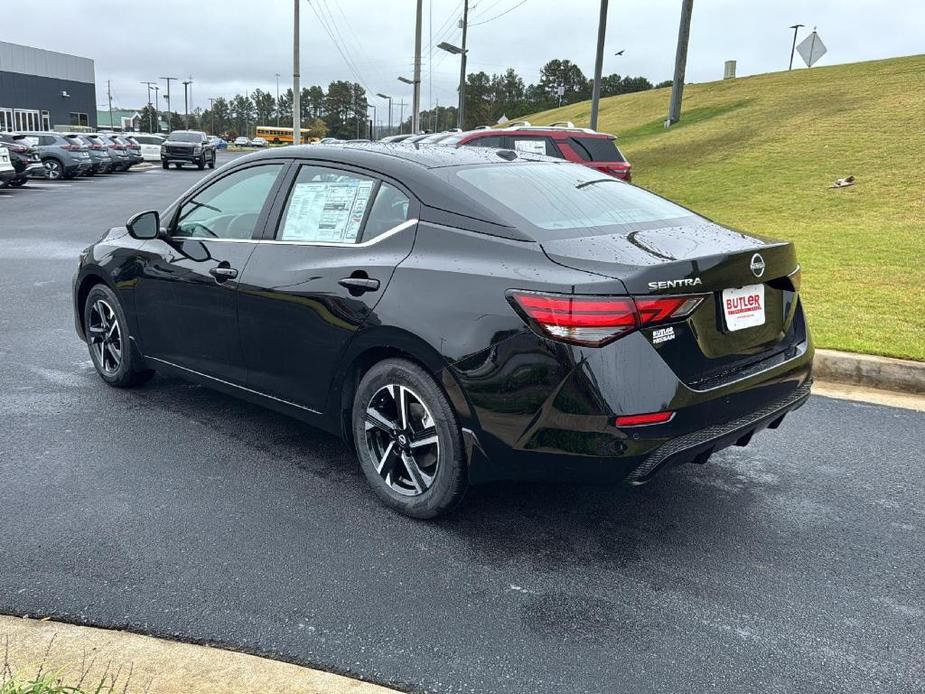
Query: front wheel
{"points": [[201, 164], [408, 441], [212, 161], [18, 183], [106, 330], [165, 164]]}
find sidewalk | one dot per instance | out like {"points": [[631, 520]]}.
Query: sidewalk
{"points": [[142, 664]]}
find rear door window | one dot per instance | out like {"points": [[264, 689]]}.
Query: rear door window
{"points": [[596, 148], [326, 206], [533, 144]]}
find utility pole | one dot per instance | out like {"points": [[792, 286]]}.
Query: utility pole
{"points": [[168, 80], [416, 98], [793, 48], [150, 123], [461, 115], [277, 99], [598, 65], [109, 96], [386, 96], [680, 63], [212, 114], [296, 92], [185, 104]]}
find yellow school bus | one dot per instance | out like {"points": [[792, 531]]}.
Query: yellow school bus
{"points": [[279, 135]]}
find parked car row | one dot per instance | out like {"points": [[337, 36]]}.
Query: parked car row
{"points": [[57, 155], [562, 140], [246, 142]]}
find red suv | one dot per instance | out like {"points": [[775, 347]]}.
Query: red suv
{"points": [[562, 140]]}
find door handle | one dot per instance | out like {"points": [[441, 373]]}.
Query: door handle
{"points": [[222, 274], [358, 285]]}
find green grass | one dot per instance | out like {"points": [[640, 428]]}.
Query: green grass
{"points": [[758, 153]]}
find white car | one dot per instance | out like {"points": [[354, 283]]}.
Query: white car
{"points": [[150, 145], [7, 172], [242, 142], [259, 142]]}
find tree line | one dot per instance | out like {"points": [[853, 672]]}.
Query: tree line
{"points": [[343, 109]]}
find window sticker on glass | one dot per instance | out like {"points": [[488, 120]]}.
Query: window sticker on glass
{"points": [[533, 146], [326, 211]]}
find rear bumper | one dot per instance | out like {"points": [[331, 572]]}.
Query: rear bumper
{"points": [[559, 420], [697, 446]]}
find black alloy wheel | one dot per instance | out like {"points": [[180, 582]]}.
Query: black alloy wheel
{"points": [[408, 441]]}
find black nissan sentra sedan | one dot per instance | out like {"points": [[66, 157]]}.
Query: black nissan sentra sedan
{"points": [[457, 315]]}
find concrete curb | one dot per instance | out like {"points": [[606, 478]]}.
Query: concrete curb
{"points": [[134, 663], [866, 370]]}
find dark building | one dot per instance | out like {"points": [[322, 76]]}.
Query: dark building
{"points": [[42, 90]]}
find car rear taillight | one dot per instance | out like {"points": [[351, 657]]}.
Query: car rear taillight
{"points": [[71, 148], [593, 321], [96, 146], [116, 145], [19, 148]]}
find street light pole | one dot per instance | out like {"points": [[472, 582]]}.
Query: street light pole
{"points": [[296, 92], [598, 65], [157, 118], [212, 114], [416, 98], [461, 115], [168, 80], [277, 99], [186, 103], [385, 96], [793, 48], [680, 63], [150, 124]]}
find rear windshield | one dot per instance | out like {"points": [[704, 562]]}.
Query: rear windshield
{"points": [[596, 148], [186, 137], [147, 139], [566, 196]]}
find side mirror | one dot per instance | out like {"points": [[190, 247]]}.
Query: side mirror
{"points": [[144, 225]]}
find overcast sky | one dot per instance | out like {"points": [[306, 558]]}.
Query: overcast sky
{"points": [[229, 50]]}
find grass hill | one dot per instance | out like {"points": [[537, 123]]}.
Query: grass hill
{"points": [[759, 153]]}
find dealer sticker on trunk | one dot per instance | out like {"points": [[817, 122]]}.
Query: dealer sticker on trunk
{"points": [[744, 307]]}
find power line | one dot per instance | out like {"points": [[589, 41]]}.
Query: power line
{"points": [[498, 16]]}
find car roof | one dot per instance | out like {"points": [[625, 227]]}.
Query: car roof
{"points": [[389, 156]]}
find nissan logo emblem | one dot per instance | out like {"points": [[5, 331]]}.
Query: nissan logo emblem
{"points": [[757, 265]]}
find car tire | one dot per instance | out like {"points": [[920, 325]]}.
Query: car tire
{"points": [[108, 340], [201, 164], [18, 183], [54, 170], [165, 164], [434, 480], [212, 161]]}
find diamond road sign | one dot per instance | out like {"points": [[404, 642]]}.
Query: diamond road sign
{"points": [[811, 49]]}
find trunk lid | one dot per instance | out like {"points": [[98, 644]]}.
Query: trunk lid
{"points": [[710, 346]]}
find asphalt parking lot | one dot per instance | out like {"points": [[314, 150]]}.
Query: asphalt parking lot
{"points": [[795, 564]]}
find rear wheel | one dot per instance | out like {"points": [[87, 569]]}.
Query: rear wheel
{"points": [[53, 169], [408, 441], [107, 336]]}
